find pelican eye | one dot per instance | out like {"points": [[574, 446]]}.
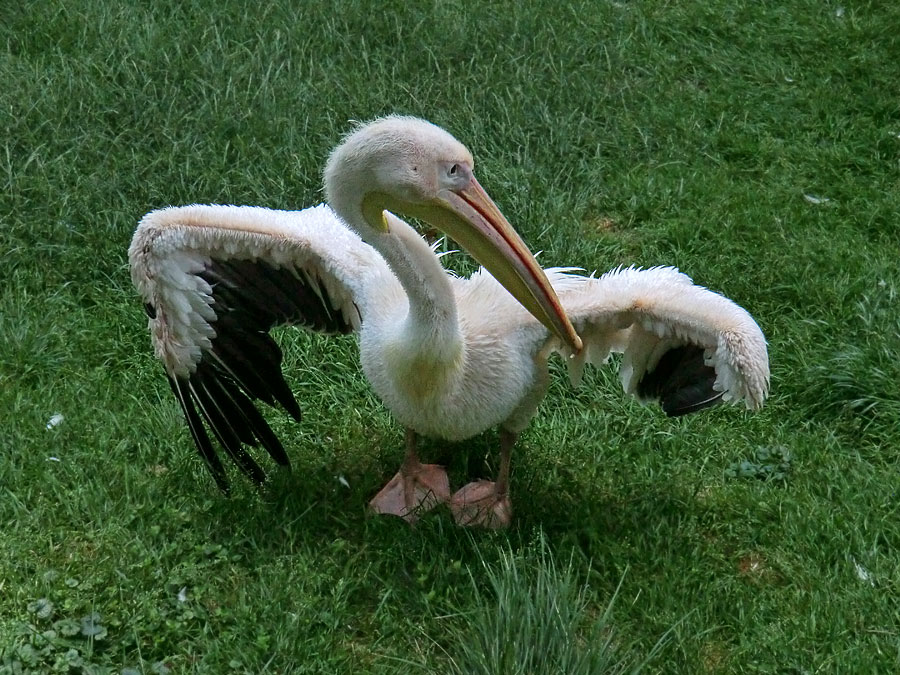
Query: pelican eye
{"points": [[456, 175]]}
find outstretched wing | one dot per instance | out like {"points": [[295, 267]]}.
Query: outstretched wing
{"points": [[682, 345], [215, 280]]}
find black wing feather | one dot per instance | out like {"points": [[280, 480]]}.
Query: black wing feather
{"points": [[254, 359], [256, 422], [217, 408], [682, 382], [198, 433], [243, 364]]}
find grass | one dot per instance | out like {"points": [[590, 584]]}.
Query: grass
{"points": [[702, 134], [536, 619]]}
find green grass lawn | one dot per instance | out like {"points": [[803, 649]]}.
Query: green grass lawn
{"points": [[754, 145]]}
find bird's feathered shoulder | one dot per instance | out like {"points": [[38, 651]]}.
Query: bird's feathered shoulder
{"points": [[226, 231], [174, 248]]}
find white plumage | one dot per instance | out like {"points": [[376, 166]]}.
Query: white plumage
{"points": [[450, 357], [173, 244]]}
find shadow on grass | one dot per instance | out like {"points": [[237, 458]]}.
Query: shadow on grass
{"points": [[307, 504]]}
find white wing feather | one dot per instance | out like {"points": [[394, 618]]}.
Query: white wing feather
{"points": [[173, 245], [644, 313]]}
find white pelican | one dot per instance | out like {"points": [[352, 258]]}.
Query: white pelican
{"points": [[450, 357]]}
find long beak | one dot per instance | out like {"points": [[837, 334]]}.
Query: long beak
{"points": [[473, 220]]}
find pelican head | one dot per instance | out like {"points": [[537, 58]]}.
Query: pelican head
{"points": [[411, 167]]}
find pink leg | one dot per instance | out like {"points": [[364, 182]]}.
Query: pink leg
{"points": [[485, 503], [415, 489]]}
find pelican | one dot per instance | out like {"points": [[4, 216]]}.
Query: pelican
{"points": [[450, 357]]}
